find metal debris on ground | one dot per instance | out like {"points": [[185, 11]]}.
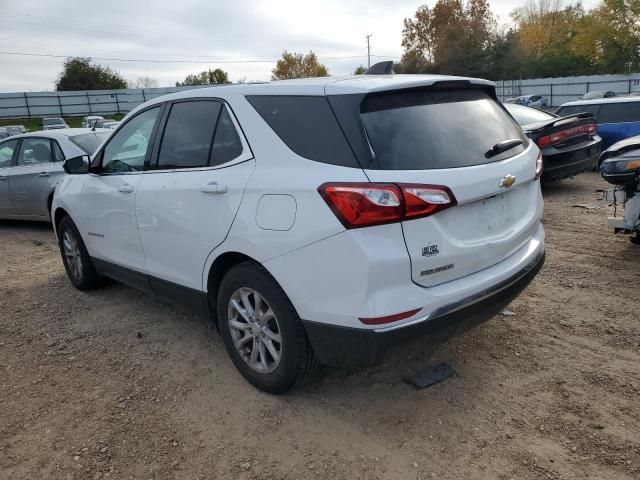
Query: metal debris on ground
{"points": [[430, 376]]}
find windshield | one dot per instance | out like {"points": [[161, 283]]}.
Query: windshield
{"points": [[89, 142], [526, 115], [432, 129], [52, 121]]}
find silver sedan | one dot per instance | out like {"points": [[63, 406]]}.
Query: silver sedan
{"points": [[31, 167]]}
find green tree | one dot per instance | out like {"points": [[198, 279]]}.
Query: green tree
{"points": [[207, 77], [360, 70], [79, 73], [297, 65]]}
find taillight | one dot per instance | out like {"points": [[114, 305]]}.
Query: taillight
{"points": [[539, 166], [366, 204], [556, 138]]}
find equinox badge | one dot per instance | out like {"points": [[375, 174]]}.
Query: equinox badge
{"points": [[507, 181]]}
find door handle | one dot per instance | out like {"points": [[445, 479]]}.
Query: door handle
{"points": [[44, 174], [126, 188], [214, 187]]}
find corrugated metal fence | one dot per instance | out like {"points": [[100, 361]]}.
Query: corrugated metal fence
{"points": [[77, 103], [40, 104], [565, 89]]}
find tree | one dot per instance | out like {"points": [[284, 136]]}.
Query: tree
{"points": [[296, 65], [144, 82], [78, 73], [360, 70], [609, 36], [207, 77]]}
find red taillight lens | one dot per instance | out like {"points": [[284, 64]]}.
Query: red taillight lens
{"points": [[544, 141], [539, 166], [363, 204], [424, 200], [367, 204], [556, 138]]}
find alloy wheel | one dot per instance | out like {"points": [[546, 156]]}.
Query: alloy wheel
{"points": [[72, 254], [254, 330]]}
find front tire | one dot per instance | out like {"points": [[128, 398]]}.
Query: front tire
{"points": [[261, 330], [76, 259]]}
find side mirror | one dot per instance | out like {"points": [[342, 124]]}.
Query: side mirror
{"points": [[77, 165]]}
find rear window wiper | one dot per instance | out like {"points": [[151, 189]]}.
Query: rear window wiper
{"points": [[503, 146]]}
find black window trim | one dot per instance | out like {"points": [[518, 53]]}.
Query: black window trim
{"points": [[246, 155], [99, 156]]}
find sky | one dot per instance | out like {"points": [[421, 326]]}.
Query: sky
{"points": [[245, 38]]}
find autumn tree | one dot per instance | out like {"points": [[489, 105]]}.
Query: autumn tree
{"points": [[79, 73], [207, 77], [297, 65]]}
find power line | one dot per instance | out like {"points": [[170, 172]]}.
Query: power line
{"points": [[143, 60]]}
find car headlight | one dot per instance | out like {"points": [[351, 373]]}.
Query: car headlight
{"points": [[620, 165]]}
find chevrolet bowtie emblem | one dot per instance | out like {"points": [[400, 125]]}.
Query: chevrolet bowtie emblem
{"points": [[507, 181]]}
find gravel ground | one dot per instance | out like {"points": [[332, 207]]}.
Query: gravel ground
{"points": [[114, 384]]}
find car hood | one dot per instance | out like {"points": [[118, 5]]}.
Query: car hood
{"points": [[624, 144]]}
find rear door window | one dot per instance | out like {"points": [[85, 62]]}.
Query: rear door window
{"points": [[619, 112], [435, 129], [188, 135], [226, 143]]}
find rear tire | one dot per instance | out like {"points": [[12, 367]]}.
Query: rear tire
{"points": [[76, 259], [267, 344]]}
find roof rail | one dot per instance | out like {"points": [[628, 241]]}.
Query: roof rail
{"points": [[380, 68]]}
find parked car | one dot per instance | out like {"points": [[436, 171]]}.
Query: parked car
{"points": [[617, 118], [318, 221], [104, 122], [569, 145], [620, 166], [537, 101], [31, 167], [597, 94], [90, 120], [14, 129], [53, 123], [3, 133], [111, 125]]}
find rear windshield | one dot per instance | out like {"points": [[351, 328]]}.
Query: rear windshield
{"points": [[434, 129], [526, 115], [89, 142]]}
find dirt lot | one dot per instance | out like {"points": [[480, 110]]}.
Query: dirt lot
{"points": [[113, 384]]}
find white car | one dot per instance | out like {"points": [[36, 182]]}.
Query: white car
{"points": [[53, 123], [31, 167], [317, 221], [90, 120]]}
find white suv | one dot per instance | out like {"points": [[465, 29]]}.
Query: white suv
{"points": [[315, 221]]}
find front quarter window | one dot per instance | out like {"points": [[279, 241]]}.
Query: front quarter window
{"points": [[127, 149]]}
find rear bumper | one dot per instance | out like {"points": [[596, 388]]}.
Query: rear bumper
{"points": [[561, 165], [356, 348]]}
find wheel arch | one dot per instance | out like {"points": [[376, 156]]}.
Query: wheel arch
{"points": [[219, 268], [58, 215]]}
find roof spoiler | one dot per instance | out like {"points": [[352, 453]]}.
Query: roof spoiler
{"points": [[380, 68]]}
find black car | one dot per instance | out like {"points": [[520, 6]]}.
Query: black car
{"points": [[569, 144]]}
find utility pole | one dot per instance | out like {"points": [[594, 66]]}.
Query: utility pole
{"points": [[368, 51]]}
